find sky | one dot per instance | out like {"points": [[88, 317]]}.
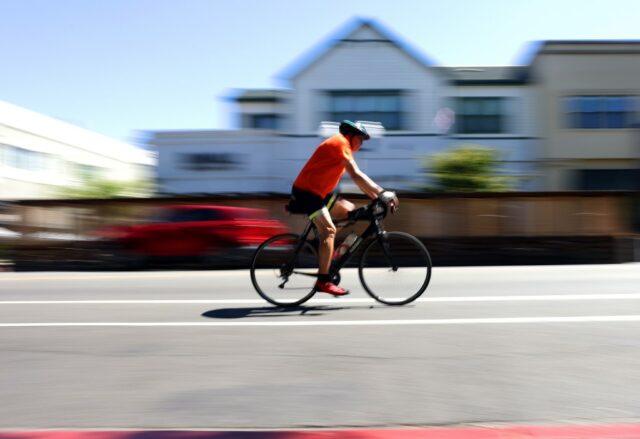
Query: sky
{"points": [[123, 68]]}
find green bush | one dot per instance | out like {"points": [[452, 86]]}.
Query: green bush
{"points": [[467, 168]]}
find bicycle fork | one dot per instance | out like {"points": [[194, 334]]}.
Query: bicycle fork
{"points": [[385, 250]]}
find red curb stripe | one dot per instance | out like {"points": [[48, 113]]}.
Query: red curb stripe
{"points": [[579, 431], [625, 431]]}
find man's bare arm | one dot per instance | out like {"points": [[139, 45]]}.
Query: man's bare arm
{"points": [[366, 184]]}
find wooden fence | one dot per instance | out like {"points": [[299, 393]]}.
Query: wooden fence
{"points": [[508, 227], [506, 214]]}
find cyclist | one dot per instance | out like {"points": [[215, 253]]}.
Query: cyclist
{"points": [[313, 192]]}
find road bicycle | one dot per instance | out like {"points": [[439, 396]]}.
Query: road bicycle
{"points": [[394, 267]]}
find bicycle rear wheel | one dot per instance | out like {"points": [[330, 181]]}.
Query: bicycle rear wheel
{"points": [[282, 277], [395, 268]]}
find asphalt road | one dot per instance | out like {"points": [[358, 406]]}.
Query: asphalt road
{"points": [[201, 350]]}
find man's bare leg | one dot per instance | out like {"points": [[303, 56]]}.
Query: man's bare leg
{"points": [[327, 232], [341, 208]]}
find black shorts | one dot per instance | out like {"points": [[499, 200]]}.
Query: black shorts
{"points": [[308, 202]]}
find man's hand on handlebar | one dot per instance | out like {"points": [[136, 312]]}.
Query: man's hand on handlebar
{"points": [[390, 199]]}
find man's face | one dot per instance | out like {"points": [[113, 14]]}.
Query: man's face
{"points": [[356, 142]]}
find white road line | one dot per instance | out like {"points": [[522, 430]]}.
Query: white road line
{"points": [[532, 298], [479, 321], [529, 298], [189, 275], [135, 302]]}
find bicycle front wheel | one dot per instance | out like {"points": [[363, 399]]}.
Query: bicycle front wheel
{"points": [[280, 275], [395, 268]]}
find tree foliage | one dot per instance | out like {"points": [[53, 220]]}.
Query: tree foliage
{"points": [[467, 168], [95, 187]]}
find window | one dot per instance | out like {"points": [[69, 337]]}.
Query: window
{"points": [[210, 161], [481, 115], [384, 106], [25, 159], [4, 154], [600, 112], [607, 179], [264, 121]]}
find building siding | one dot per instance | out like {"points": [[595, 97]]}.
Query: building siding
{"points": [[537, 148]]}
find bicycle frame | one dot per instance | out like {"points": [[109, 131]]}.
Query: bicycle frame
{"points": [[375, 229], [376, 212]]}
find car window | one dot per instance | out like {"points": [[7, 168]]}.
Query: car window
{"points": [[193, 215], [205, 215], [187, 215], [163, 216], [184, 215]]}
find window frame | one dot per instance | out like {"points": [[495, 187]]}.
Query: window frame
{"points": [[595, 112], [386, 106], [476, 123]]}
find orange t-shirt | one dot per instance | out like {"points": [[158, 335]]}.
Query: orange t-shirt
{"points": [[324, 169]]}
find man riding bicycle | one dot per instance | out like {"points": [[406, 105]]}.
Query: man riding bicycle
{"points": [[313, 192]]}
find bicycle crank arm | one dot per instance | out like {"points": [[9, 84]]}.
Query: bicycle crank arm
{"points": [[305, 274]]}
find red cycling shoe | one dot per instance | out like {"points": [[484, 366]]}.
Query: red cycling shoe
{"points": [[330, 288]]}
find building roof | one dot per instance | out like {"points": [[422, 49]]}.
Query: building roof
{"points": [[590, 42], [477, 75], [586, 47], [260, 95], [462, 75], [63, 132], [343, 35]]}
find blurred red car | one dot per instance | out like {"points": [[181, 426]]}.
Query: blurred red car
{"points": [[212, 234]]}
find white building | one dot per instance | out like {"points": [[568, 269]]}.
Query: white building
{"points": [[365, 73], [40, 155]]}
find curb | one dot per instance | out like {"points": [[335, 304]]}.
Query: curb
{"points": [[623, 431]]}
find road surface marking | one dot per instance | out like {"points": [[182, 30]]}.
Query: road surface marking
{"points": [[531, 298], [123, 276], [479, 321]]}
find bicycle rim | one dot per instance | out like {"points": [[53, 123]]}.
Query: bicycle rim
{"points": [[398, 276], [280, 276]]}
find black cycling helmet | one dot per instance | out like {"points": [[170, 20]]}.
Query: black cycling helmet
{"points": [[349, 127]]}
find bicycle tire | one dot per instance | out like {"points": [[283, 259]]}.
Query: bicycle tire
{"points": [[269, 271], [411, 275]]}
